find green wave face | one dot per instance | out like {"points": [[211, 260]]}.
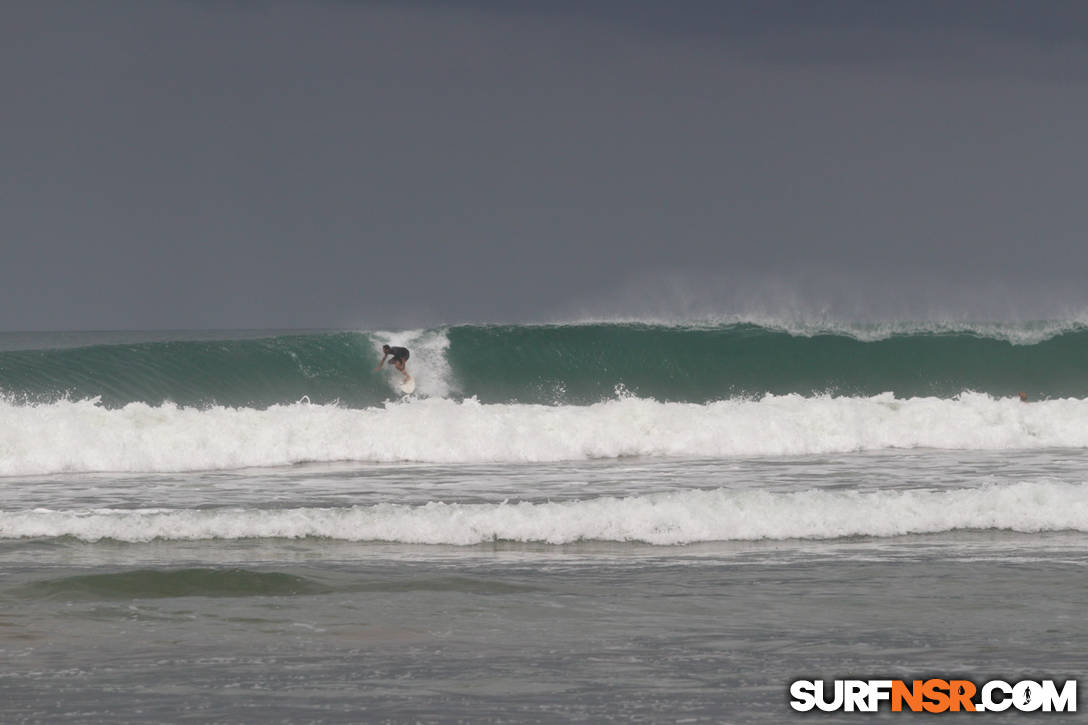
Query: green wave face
{"points": [[566, 364], [255, 373], [583, 364]]}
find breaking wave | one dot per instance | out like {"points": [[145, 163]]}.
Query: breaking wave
{"points": [[573, 364], [663, 519], [84, 436]]}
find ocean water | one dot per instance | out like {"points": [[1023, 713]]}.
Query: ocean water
{"points": [[594, 522]]}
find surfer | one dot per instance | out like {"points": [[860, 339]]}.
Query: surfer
{"points": [[399, 357]]}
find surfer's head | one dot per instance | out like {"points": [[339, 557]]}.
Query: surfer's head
{"points": [[385, 348]]}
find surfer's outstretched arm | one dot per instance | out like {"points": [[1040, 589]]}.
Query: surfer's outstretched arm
{"points": [[382, 362]]}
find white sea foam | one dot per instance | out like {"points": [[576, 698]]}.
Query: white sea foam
{"points": [[77, 436], [666, 518]]}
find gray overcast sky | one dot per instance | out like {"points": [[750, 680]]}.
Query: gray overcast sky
{"points": [[315, 164]]}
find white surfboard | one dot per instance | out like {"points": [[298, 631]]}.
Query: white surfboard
{"points": [[407, 386]]}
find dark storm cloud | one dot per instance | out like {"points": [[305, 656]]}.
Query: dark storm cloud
{"points": [[237, 164]]}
